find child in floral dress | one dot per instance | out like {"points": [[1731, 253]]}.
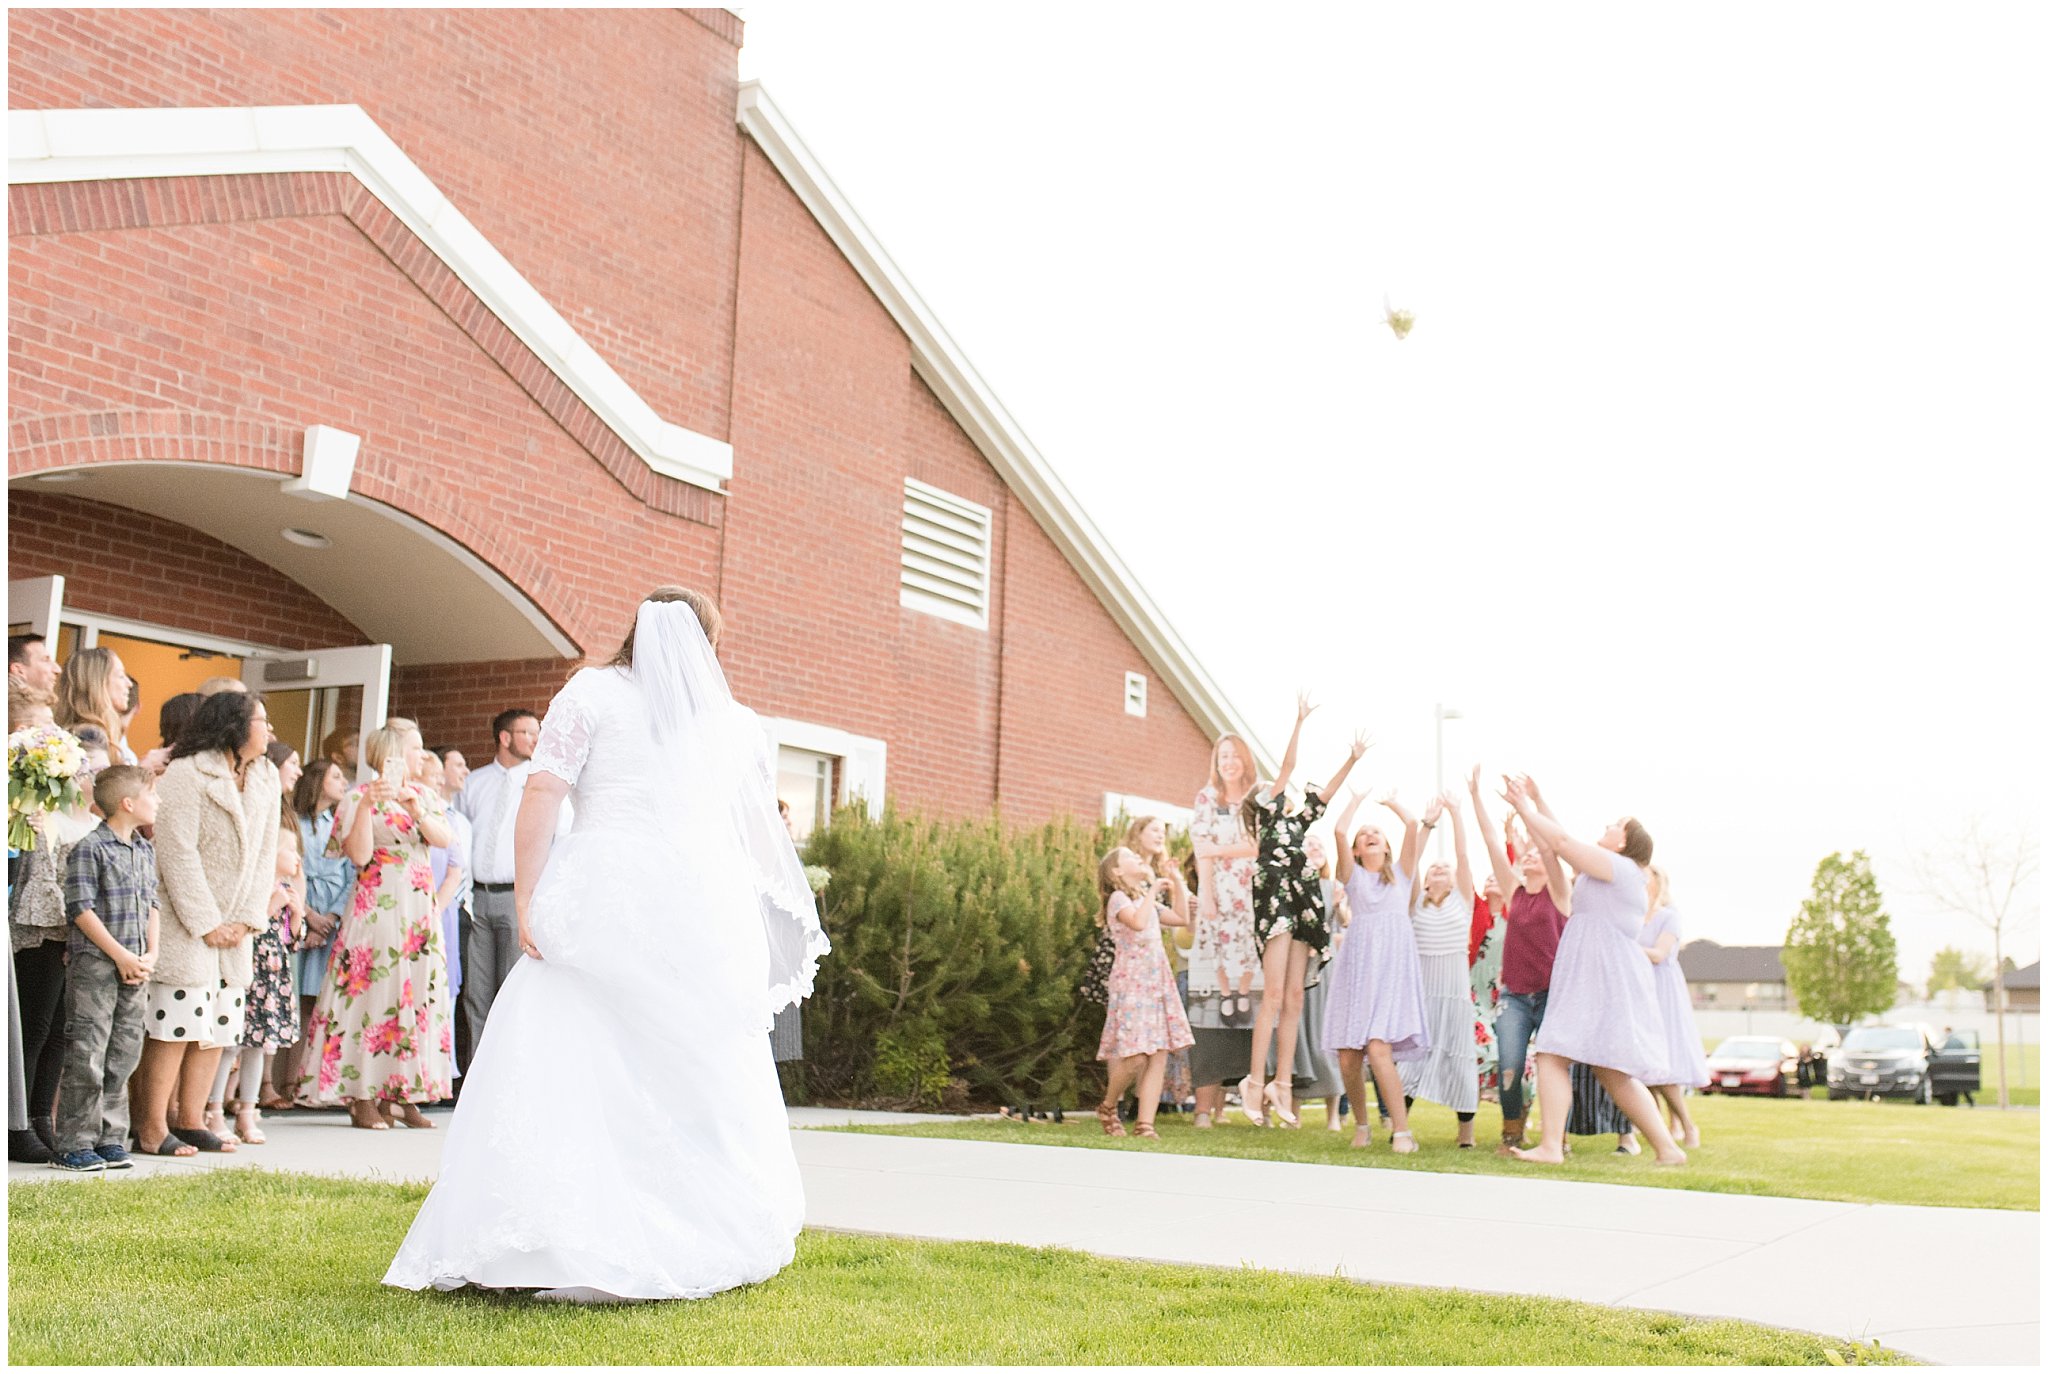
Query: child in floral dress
{"points": [[270, 1013], [1145, 1020]]}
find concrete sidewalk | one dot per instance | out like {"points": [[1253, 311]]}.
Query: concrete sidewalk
{"points": [[1950, 1285]]}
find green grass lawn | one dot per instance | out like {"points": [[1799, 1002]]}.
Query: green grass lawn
{"points": [[1833, 1151], [250, 1267]]}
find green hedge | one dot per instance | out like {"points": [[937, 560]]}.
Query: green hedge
{"points": [[956, 949]]}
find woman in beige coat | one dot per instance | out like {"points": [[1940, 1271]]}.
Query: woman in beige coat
{"points": [[216, 858]]}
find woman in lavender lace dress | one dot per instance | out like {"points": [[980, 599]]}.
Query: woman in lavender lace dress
{"points": [[1603, 1004]]}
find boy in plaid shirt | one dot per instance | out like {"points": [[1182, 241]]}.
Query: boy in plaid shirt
{"points": [[110, 895]]}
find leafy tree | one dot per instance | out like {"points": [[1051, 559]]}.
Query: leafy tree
{"points": [[1840, 958], [1954, 970]]}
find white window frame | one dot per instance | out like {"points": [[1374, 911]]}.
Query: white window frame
{"points": [[1132, 805], [931, 603], [864, 761]]}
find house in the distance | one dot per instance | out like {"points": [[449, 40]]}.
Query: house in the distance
{"points": [[1736, 977], [2022, 990]]}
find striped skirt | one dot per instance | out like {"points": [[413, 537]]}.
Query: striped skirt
{"points": [[1449, 1074]]}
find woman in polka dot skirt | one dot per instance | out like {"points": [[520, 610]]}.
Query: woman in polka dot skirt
{"points": [[216, 857]]}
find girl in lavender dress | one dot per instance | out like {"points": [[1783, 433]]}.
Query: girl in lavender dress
{"points": [[1603, 1003], [1374, 1009], [1688, 1063]]}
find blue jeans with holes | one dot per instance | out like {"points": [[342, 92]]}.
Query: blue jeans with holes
{"points": [[1515, 1024]]}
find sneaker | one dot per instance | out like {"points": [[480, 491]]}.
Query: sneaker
{"points": [[115, 1155], [79, 1162]]}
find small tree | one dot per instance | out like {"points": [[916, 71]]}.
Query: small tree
{"points": [[1984, 877], [1840, 958], [1955, 971]]}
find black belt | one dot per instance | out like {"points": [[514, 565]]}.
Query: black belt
{"points": [[492, 887]]}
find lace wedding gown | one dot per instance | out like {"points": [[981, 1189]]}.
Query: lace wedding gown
{"points": [[621, 1133]]}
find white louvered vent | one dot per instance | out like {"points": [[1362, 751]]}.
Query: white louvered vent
{"points": [[945, 554], [1134, 694]]}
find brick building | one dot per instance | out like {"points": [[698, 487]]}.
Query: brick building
{"points": [[386, 357]]}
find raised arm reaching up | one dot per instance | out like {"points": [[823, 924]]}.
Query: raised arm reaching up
{"points": [[1411, 837], [1303, 709], [1343, 837], [1359, 744], [1548, 835], [1432, 814], [1464, 868], [1503, 872]]}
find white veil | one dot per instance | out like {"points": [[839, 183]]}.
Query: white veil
{"points": [[718, 757]]}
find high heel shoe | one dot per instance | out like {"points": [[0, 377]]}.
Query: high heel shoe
{"points": [[1280, 1109], [1248, 1099]]}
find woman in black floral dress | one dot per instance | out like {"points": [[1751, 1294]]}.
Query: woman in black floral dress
{"points": [[1289, 920]]}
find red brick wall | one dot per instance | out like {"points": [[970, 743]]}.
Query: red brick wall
{"points": [[211, 319], [1066, 737], [454, 704], [122, 562], [302, 318], [596, 149]]}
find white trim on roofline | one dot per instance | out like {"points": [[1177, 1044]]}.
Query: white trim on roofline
{"points": [[100, 145], [974, 407]]}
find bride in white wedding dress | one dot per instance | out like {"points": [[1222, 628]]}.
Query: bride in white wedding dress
{"points": [[621, 1134]]}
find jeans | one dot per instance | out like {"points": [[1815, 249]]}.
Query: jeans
{"points": [[1515, 1024], [104, 1043]]}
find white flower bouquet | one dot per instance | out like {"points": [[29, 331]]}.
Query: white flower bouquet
{"points": [[43, 764]]}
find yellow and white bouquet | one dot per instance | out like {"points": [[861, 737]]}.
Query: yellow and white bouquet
{"points": [[43, 764]]}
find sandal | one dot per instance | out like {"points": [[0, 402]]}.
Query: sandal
{"points": [[1248, 1101], [365, 1115], [1144, 1131], [245, 1124], [1408, 1136], [411, 1115], [1106, 1114], [1280, 1109], [204, 1141], [170, 1147]]}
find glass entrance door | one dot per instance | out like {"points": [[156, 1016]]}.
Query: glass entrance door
{"points": [[313, 695]]}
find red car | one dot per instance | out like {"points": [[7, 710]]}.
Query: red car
{"points": [[1761, 1064]]}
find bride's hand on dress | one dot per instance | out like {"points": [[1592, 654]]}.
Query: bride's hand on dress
{"points": [[526, 944]]}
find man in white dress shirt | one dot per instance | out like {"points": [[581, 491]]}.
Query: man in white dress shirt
{"points": [[491, 801]]}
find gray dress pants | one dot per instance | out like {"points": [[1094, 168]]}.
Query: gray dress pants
{"points": [[487, 962]]}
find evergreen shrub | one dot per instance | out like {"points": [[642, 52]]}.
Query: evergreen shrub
{"points": [[957, 946]]}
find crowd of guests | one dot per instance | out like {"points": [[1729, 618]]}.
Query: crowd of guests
{"points": [[220, 928], [1300, 971]]}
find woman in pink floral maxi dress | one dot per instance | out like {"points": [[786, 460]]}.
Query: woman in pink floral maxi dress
{"points": [[381, 1025]]}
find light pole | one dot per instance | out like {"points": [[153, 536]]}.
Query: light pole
{"points": [[1443, 713]]}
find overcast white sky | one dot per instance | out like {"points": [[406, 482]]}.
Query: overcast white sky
{"points": [[1709, 483]]}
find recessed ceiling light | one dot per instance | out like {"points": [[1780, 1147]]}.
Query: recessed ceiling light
{"points": [[56, 478], [306, 539]]}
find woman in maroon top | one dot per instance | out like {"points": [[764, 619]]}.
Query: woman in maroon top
{"points": [[1538, 902]]}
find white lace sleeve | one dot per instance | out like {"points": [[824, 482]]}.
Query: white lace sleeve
{"points": [[567, 731]]}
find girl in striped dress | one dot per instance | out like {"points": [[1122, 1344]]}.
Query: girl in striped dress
{"points": [[1449, 1073]]}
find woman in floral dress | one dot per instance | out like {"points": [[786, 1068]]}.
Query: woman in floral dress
{"points": [[1489, 934], [1223, 973], [381, 1023]]}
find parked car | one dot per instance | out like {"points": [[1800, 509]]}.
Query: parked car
{"points": [[1753, 1064], [1906, 1061]]}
